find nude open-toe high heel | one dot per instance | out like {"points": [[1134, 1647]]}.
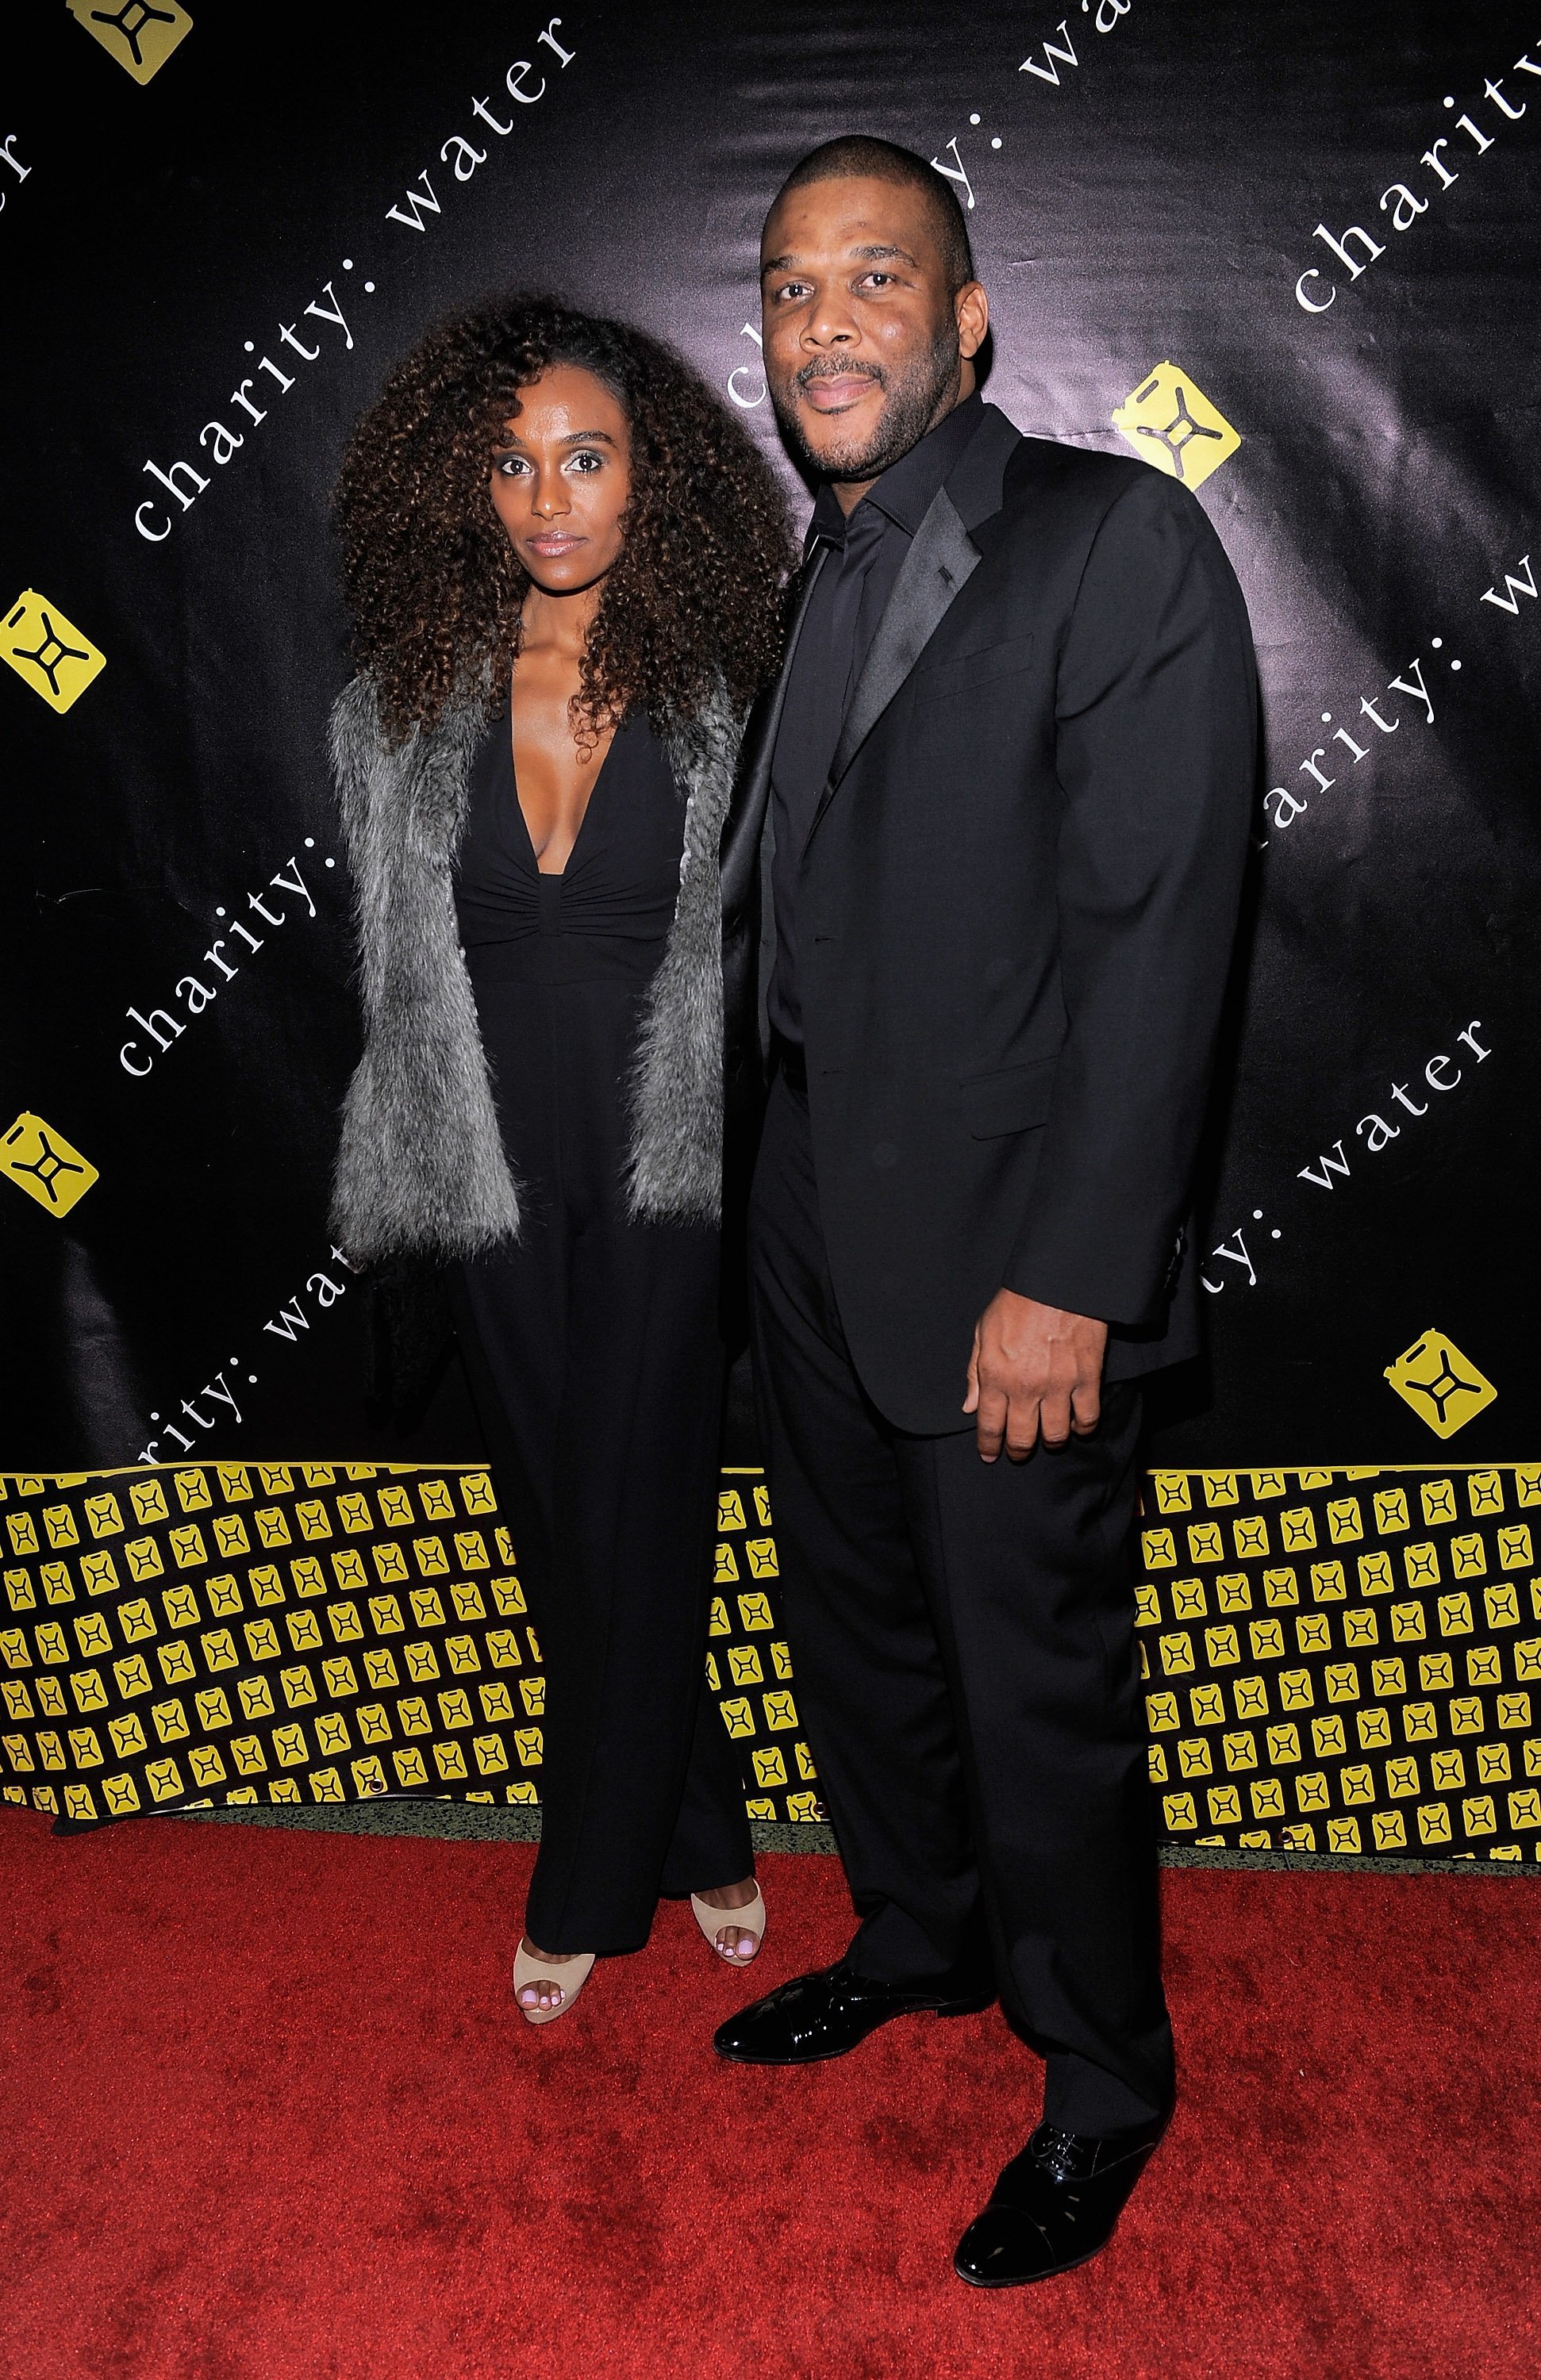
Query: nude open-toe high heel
{"points": [[751, 1917], [569, 1978]]}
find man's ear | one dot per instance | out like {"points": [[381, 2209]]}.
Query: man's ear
{"points": [[971, 312]]}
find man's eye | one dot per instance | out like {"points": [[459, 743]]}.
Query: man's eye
{"points": [[793, 289], [877, 280]]}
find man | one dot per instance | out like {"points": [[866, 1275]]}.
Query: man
{"points": [[985, 855]]}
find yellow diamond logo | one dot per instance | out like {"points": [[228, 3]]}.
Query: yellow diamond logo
{"points": [[48, 651], [1443, 1387], [1171, 422], [140, 37], [41, 1161]]}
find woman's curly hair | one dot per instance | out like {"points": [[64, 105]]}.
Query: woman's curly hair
{"points": [[433, 583]]}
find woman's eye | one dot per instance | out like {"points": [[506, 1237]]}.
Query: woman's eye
{"points": [[510, 467], [586, 461]]}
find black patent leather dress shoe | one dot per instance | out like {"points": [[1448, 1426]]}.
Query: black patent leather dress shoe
{"points": [[1054, 2207], [826, 2014]]}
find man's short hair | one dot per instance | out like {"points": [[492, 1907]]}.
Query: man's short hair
{"points": [[859, 156]]}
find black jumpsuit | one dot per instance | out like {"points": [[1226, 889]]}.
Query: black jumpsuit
{"points": [[596, 1350]]}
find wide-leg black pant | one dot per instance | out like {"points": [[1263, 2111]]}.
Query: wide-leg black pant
{"points": [[962, 1640], [595, 1351]]}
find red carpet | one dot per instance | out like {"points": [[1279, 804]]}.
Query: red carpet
{"points": [[266, 2113]]}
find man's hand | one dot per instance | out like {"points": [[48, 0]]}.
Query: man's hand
{"points": [[1035, 1371]]}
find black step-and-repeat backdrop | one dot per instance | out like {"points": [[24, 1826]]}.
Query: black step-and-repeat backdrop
{"points": [[1288, 254]]}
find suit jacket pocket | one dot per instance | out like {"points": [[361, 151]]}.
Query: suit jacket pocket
{"points": [[966, 672], [1015, 1100]]}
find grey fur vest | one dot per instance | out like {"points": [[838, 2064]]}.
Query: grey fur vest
{"points": [[421, 1169]]}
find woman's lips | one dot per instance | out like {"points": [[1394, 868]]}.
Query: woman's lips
{"points": [[831, 395], [551, 549]]}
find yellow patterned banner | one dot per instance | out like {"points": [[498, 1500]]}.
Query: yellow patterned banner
{"points": [[1335, 1660], [270, 1632], [1346, 1660], [231, 1632]]}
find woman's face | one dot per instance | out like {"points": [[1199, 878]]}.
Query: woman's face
{"points": [[561, 478]]}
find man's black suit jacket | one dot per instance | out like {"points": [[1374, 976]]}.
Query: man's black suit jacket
{"points": [[1016, 914]]}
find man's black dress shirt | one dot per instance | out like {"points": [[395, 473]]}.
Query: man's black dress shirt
{"points": [[860, 559]]}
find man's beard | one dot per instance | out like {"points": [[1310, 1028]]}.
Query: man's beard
{"points": [[913, 404]]}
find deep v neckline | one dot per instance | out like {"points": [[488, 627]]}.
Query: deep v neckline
{"points": [[555, 875]]}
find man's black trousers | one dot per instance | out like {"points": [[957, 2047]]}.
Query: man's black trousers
{"points": [[963, 1642]]}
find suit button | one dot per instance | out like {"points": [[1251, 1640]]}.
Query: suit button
{"points": [[885, 1155]]}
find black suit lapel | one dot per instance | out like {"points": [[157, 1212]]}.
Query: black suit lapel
{"points": [[941, 557]]}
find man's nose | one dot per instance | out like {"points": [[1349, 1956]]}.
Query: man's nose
{"points": [[829, 321]]}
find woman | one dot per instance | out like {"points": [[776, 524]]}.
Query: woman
{"points": [[563, 562]]}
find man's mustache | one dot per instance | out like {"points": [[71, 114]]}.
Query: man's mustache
{"points": [[840, 371]]}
